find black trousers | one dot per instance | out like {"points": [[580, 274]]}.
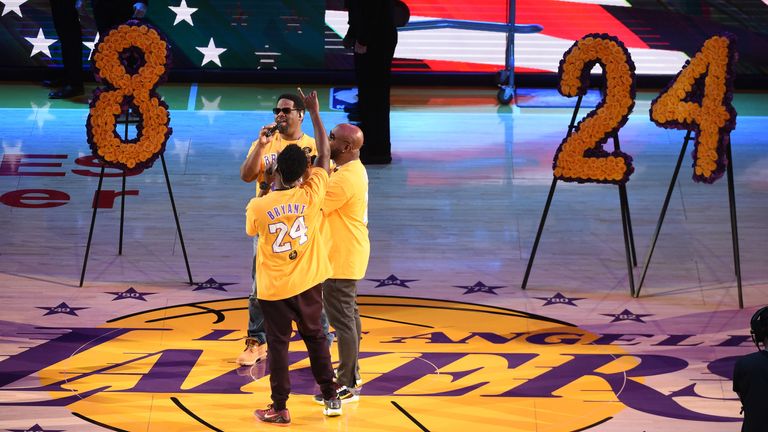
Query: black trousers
{"points": [[111, 13], [373, 72], [66, 20], [305, 309]]}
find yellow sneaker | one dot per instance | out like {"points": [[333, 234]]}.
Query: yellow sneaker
{"points": [[254, 351]]}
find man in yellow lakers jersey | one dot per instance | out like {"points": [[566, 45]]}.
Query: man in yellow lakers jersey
{"points": [[286, 129], [292, 262], [346, 229]]}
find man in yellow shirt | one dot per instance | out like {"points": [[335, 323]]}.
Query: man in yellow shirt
{"points": [[273, 138], [346, 225], [292, 262]]}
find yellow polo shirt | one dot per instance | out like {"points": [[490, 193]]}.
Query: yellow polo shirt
{"points": [[292, 256], [346, 221], [278, 143]]}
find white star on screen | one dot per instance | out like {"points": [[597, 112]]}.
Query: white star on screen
{"points": [[183, 13], [91, 45], [211, 53], [40, 44], [12, 6]]}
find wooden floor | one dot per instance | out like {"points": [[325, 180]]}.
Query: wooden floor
{"points": [[451, 342]]}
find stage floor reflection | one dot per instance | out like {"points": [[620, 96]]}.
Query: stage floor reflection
{"points": [[451, 341]]}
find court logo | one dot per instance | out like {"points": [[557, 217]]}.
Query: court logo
{"points": [[450, 366]]}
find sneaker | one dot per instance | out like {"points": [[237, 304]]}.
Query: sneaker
{"points": [[254, 351], [358, 381], [332, 407], [344, 394], [271, 415]]}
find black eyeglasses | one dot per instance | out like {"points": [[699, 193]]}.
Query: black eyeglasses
{"points": [[285, 111], [331, 136]]}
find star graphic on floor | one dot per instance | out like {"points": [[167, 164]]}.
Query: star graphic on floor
{"points": [[183, 13], [35, 428], [480, 287], [211, 53], [560, 299], [41, 114], [626, 315], [211, 283], [13, 6], [180, 149], [392, 280], [40, 44], [130, 293], [62, 308], [210, 108]]}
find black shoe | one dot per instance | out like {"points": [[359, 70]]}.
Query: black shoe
{"points": [[332, 407], [54, 83], [66, 92], [344, 394]]}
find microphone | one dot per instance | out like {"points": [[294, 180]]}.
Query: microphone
{"points": [[272, 130]]}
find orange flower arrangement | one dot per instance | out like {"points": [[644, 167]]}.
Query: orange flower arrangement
{"points": [[129, 85], [581, 157], [703, 105]]}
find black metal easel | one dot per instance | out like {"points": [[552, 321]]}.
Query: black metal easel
{"points": [[626, 220], [731, 204], [122, 211]]}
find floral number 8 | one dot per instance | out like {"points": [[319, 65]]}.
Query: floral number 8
{"points": [[129, 86]]}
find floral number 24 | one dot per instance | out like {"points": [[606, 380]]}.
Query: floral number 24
{"points": [[699, 98]]}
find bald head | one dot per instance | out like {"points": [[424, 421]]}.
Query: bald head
{"points": [[345, 143], [351, 134]]}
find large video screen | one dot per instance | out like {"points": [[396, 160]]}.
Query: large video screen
{"points": [[306, 34]]}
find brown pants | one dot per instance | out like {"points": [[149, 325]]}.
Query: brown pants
{"points": [[304, 308]]}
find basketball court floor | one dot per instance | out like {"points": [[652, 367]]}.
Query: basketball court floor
{"points": [[451, 341]]}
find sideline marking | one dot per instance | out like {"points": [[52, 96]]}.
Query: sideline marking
{"points": [[192, 97]]}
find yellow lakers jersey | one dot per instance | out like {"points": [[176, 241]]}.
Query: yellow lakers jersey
{"points": [[292, 257], [278, 143]]}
